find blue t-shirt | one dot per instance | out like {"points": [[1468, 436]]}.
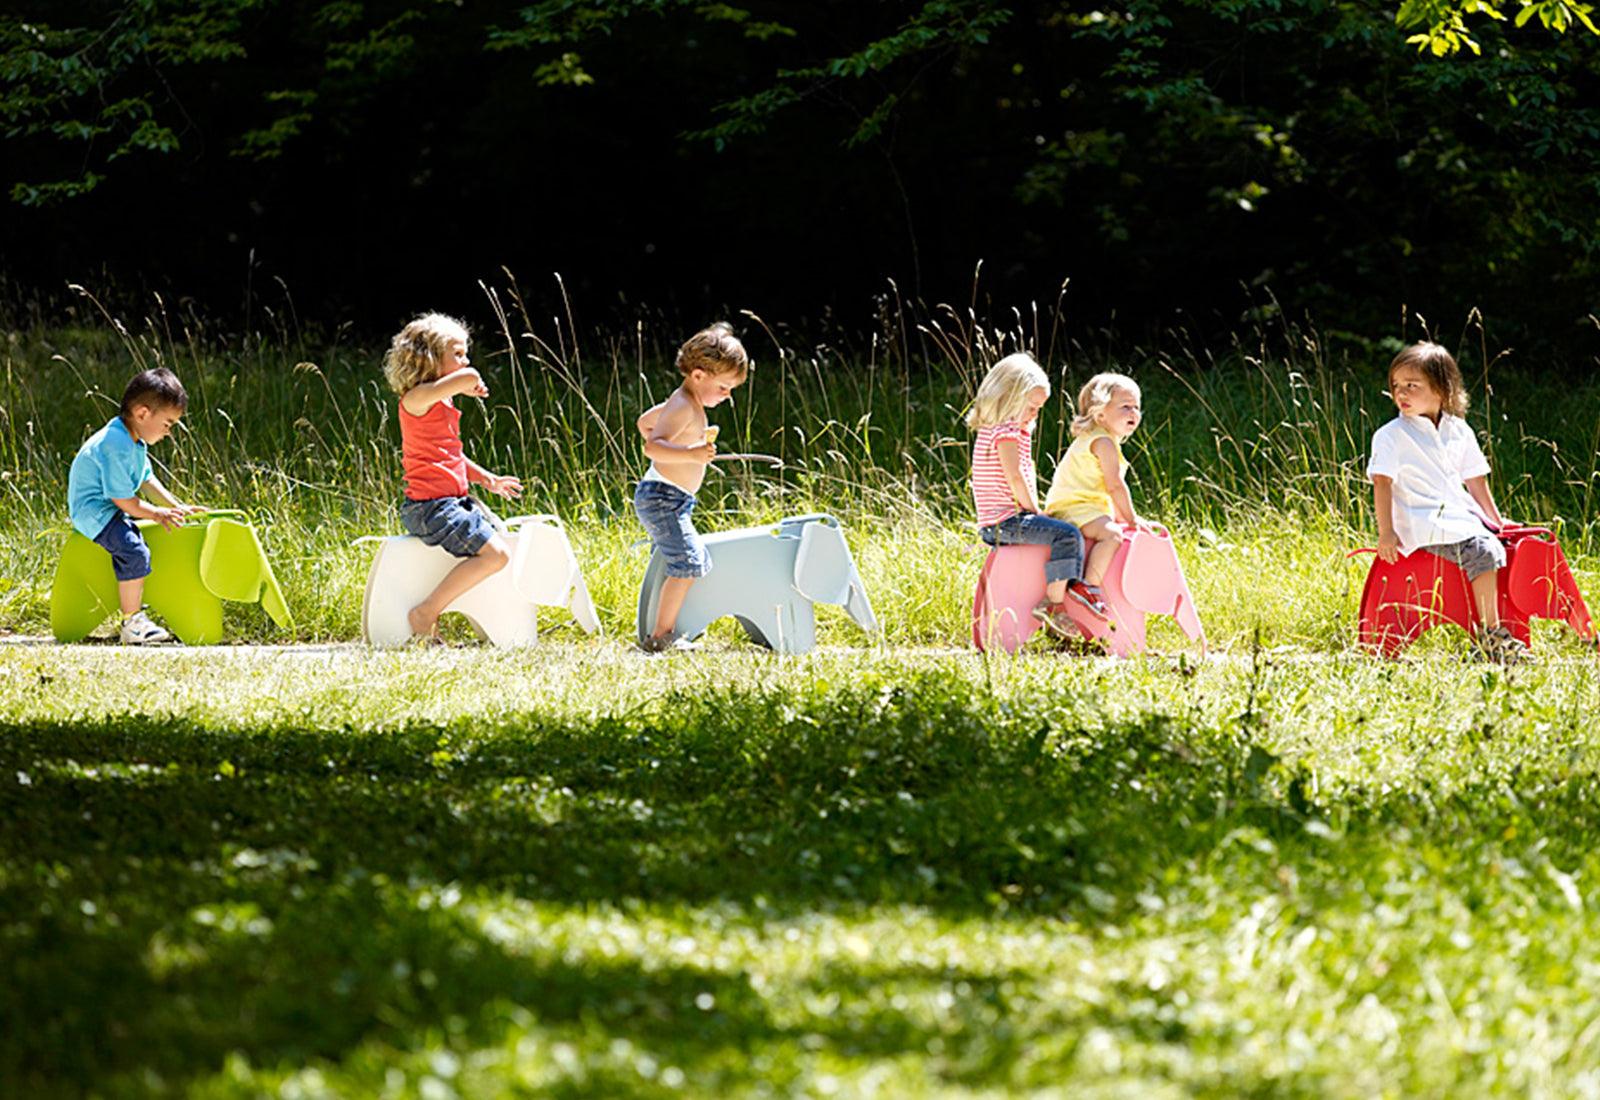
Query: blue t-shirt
{"points": [[111, 465]]}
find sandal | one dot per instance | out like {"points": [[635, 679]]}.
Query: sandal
{"points": [[1088, 597], [1054, 618]]}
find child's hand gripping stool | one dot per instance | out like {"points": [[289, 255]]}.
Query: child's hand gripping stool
{"points": [[1004, 486], [1430, 486], [427, 366], [1090, 486], [110, 471], [680, 445]]}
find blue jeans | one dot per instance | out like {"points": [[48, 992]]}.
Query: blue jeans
{"points": [[130, 557], [664, 510], [1032, 529], [458, 524]]}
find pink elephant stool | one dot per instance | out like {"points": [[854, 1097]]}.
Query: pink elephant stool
{"points": [[1402, 599], [1144, 577]]}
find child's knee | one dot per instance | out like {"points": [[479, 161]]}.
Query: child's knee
{"points": [[495, 555]]}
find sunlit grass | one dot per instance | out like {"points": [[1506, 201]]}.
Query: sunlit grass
{"points": [[581, 870]]}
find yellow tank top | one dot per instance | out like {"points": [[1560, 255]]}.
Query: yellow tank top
{"points": [[1078, 491]]}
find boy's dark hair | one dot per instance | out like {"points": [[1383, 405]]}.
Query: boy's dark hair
{"points": [[157, 389]]}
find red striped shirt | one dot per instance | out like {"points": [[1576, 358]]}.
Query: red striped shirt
{"points": [[991, 493]]}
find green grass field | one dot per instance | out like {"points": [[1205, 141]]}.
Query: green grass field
{"points": [[893, 867]]}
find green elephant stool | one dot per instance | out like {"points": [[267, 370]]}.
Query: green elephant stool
{"points": [[193, 569]]}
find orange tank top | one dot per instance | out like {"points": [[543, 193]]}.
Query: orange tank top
{"points": [[430, 453]]}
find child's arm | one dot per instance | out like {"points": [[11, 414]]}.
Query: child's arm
{"points": [[506, 486], [672, 419], [1478, 490], [1011, 465], [419, 399], [159, 491], [1383, 505], [1116, 484], [647, 419], [169, 514]]}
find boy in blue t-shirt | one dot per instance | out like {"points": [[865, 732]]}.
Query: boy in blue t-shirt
{"points": [[111, 469]]}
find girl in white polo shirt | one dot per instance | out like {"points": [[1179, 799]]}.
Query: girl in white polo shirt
{"points": [[1430, 484]]}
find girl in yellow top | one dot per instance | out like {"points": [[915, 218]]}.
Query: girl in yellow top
{"points": [[1090, 487]]}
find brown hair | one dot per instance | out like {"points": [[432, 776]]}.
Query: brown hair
{"points": [[715, 350], [1438, 366]]}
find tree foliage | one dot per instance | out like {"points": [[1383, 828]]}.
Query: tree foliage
{"points": [[1326, 146]]}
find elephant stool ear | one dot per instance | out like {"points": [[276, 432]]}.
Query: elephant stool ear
{"points": [[544, 565], [1533, 582], [1152, 579], [231, 561], [824, 572], [233, 566], [822, 566]]}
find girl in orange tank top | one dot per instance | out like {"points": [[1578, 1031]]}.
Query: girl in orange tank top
{"points": [[427, 366]]}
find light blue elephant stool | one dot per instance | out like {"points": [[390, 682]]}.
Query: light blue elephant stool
{"points": [[768, 578]]}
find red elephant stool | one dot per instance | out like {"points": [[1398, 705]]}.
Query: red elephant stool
{"points": [[1406, 597], [1144, 577]]}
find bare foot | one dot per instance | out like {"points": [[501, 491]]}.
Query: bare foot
{"points": [[422, 624]]}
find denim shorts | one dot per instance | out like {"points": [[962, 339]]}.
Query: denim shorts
{"points": [[1476, 556], [458, 524], [664, 510], [130, 557]]}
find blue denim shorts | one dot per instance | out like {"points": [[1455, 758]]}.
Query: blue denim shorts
{"points": [[664, 510], [130, 557], [458, 524]]}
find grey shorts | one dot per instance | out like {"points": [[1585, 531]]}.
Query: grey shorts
{"points": [[1476, 556]]}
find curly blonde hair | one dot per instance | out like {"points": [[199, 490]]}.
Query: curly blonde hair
{"points": [[715, 350], [417, 350], [1095, 395], [1003, 393], [1438, 366]]}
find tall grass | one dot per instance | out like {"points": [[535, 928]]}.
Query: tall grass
{"points": [[1263, 439]]}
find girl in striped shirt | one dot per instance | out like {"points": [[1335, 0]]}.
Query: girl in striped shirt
{"points": [[1004, 486]]}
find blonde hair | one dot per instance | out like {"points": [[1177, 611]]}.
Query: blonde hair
{"points": [[1438, 366], [715, 350], [1096, 395], [1003, 393], [417, 350]]}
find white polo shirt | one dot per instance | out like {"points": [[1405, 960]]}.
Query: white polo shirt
{"points": [[1429, 466]]}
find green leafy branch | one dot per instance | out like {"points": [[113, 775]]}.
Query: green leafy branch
{"points": [[1444, 22], [939, 28]]}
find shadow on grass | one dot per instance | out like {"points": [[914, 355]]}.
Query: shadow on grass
{"points": [[173, 892]]}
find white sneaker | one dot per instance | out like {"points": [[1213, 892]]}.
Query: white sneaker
{"points": [[137, 629]]}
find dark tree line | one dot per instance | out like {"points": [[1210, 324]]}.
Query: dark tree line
{"points": [[1172, 157]]}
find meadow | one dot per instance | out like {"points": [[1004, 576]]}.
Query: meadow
{"points": [[893, 867]]}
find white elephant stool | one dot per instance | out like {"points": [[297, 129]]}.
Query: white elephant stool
{"points": [[768, 578], [503, 610]]}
